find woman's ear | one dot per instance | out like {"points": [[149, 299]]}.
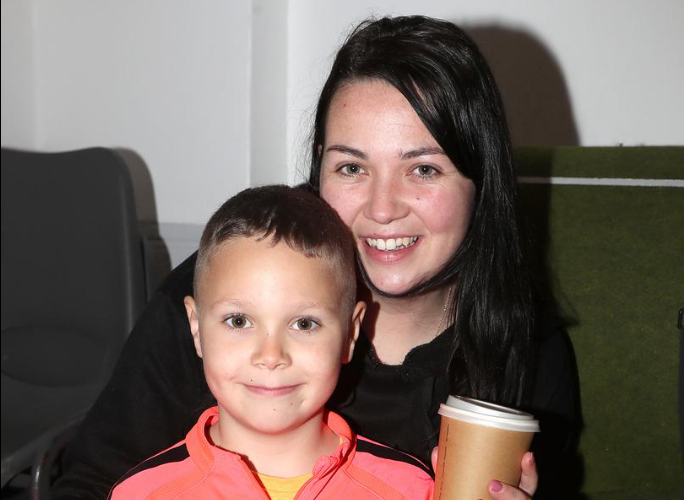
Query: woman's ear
{"points": [[356, 320], [193, 318]]}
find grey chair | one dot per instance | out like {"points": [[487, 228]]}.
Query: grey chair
{"points": [[72, 287]]}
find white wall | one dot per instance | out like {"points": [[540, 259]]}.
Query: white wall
{"points": [[585, 72], [167, 80], [211, 96], [18, 81]]}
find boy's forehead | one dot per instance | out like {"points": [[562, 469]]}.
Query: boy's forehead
{"points": [[278, 258]]}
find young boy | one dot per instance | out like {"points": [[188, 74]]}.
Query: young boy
{"points": [[274, 316]]}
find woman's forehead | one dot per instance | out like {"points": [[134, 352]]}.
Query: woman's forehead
{"points": [[372, 114]]}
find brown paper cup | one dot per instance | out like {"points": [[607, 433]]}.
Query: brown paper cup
{"points": [[478, 442]]}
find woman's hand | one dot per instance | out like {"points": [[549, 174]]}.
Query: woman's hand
{"points": [[526, 487], [502, 491]]}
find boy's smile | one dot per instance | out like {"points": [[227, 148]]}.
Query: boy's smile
{"points": [[268, 324], [271, 391]]}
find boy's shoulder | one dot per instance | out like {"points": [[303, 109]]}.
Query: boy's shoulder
{"points": [[386, 472], [161, 469], [390, 472], [374, 454]]}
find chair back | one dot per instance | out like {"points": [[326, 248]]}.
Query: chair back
{"points": [[72, 287]]}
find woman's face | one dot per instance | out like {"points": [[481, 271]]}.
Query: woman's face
{"points": [[406, 203]]}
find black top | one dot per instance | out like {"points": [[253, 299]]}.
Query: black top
{"points": [[157, 393]]}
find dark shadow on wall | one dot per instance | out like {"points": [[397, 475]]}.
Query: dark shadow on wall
{"points": [[532, 86], [156, 254]]}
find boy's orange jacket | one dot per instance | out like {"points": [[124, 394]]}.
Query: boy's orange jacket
{"points": [[194, 468]]}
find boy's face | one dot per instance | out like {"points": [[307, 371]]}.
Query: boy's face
{"points": [[272, 332]]}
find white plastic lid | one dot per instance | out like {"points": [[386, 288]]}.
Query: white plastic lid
{"points": [[478, 412]]}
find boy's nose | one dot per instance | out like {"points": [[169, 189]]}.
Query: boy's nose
{"points": [[271, 352]]}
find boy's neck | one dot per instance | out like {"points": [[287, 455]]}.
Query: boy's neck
{"points": [[287, 454]]}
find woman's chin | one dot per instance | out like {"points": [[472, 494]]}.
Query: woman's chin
{"points": [[390, 288]]}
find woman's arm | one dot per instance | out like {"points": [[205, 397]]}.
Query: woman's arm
{"points": [[155, 395], [556, 403]]}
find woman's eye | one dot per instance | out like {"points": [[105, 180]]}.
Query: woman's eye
{"points": [[305, 324], [351, 169], [238, 322], [425, 171]]}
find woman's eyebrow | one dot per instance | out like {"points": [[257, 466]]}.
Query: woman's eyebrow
{"points": [[408, 155], [416, 153], [348, 151]]}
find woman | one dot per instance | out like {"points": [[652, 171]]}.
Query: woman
{"points": [[410, 147]]}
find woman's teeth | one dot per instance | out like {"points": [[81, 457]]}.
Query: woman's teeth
{"points": [[391, 243]]}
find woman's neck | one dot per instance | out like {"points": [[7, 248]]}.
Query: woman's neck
{"points": [[397, 325]]}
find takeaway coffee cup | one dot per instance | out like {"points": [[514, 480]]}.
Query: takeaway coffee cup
{"points": [[478, 442]]}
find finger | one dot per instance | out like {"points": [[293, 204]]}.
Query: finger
{"points": [[433, 457], [502, 491], [529, 477]]}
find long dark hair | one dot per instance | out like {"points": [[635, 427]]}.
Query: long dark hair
{"points": [[445, 78]]}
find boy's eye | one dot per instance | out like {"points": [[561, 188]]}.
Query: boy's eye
{"points": [[238, 321], [305, 324]]}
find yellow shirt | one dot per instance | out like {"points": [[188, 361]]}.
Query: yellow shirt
{"points": [[283, 488]]}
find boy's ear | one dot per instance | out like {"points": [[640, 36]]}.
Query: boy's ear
{"points": [[193, 318], [356, 320]]}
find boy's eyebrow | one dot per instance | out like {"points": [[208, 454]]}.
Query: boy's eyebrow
{"points": [[233, 302], [244, 304], [315, 305]]}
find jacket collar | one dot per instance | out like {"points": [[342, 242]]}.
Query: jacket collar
{"points": [[204, 452]]}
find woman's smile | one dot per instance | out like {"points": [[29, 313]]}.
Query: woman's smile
{"points": [[389, 250], [392, 244]]}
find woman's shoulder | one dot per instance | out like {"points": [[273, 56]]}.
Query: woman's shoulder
{"points": [[555, 386], [179, 282], [165, 312], [553, 344]]}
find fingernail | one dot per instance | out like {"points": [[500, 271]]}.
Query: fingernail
{"points": [[531, 461], [495, 486]]}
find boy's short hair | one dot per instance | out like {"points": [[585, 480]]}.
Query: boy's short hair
{"points": [[293, 214]]}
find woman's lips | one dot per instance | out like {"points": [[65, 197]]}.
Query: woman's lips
{"points": [[392, 244], [271, 391], [389, 250]]}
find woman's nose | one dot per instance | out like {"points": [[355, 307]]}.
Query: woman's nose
{"points": [[271, 352], [385, 201]]}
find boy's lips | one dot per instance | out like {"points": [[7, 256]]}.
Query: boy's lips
{"points": [[271, 391]]}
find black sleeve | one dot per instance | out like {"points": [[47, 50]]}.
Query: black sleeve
{"points": [[556, 403], [156, 393]]}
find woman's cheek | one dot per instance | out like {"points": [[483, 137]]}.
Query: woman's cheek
{"points": [[344, 202]]}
